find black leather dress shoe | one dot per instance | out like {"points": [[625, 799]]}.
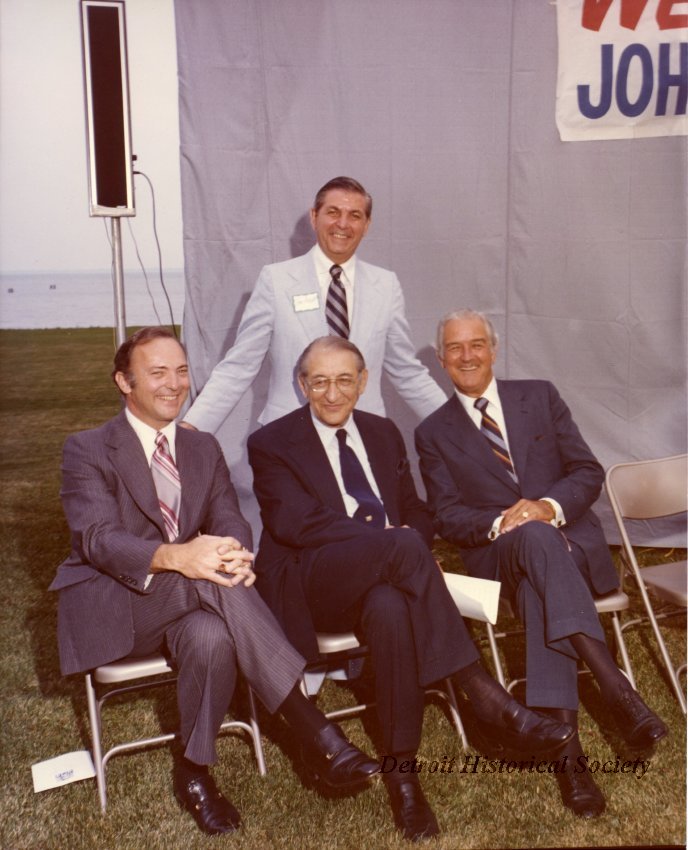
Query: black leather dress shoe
{"points": [[200, 796], [580, 794], [412, 813], [639, 726], [520, 729], [330, 757]]}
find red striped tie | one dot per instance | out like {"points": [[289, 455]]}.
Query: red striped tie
{"points": [[167, 484]]}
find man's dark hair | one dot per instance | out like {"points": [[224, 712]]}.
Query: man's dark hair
{"points": [[348, 184], [332, 343], [122, 362]]}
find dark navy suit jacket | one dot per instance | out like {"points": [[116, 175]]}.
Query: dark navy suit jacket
{"points": [[467, 486], [302, 507]]}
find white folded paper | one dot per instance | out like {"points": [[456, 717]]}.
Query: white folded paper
{"points": [[477, 598], [61, 770]]}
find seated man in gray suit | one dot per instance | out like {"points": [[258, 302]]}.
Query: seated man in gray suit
{"points": [[160, 561], [511, 481], [327, 290], [346, 546]]}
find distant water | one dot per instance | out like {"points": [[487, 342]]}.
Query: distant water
{"points": [[86, 299]]}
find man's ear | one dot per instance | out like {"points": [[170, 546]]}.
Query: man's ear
{"points": [[302, 385], [363, 381], [122, 383], [313, 214]]}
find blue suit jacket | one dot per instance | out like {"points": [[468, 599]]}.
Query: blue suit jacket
{"points": [[302, 507], [468, 487], [278, 323], [116, 526]]}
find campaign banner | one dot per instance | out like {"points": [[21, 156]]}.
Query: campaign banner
{"points": [[623, 69]]}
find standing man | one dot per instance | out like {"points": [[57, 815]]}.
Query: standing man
{"points": [[345, 546], [326, 291], [511, 481], [160, 562]]}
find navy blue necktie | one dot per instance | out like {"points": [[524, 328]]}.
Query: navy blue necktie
{"points": [[370, 509]]}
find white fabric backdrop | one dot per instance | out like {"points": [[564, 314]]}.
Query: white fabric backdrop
{"points": [[445, 111]]}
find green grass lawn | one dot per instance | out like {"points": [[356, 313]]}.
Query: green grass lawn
{"points": [[56, 382]]}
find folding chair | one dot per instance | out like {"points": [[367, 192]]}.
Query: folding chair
{"points": [[343, 647], [128, 670], [647, 490]]}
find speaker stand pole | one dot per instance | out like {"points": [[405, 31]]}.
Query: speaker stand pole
{"points": [[118, 281]]}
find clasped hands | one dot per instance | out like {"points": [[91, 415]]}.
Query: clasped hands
{"points": [[525, 510], [222, 560]]}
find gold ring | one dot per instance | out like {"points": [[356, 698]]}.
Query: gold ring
{"points": [[525, 514]]}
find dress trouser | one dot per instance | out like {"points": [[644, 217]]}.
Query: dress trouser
{"points": [[387, 588], [210, 630], [542, 572]]}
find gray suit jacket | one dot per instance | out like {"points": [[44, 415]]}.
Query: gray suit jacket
{"points": [[116, 525], [277, 323], [467, 486]]}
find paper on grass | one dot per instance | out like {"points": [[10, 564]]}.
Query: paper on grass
{"points": [[61, 770], [477, 598]]}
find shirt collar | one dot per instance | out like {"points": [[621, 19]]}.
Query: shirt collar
{"points": [[323, 264], [491, 393], [147, 434]]}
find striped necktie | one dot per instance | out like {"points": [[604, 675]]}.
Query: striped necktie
{"points": [[336, 311], [490, 430], [167, 485]]}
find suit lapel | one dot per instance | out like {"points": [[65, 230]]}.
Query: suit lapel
{"points": [[461, 432], [303, 281], [194, 478], [368, 304], [515, 410], [128, 458], [379, 458], [307, 449]]}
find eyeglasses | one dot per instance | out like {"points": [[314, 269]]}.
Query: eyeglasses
{"points": [[344, 383]]}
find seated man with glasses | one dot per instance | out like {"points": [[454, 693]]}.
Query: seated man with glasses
{"points": [[346, 546]]}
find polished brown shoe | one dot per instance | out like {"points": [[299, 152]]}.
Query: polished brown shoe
{"points": [[639, 725], [200, 796], [331, 758], [520, 729], [412, 812], [580, 794]]}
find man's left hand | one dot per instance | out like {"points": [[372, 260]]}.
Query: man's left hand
{"points": [[526, 510]]}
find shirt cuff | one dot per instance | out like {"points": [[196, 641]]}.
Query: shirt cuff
{"points": [[559, 518], [494, 531]]}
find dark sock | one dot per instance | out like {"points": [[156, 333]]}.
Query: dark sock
{"points": [[596, 655], [188, 769], [301, 714], [487, 696], [572, 748], [397, 776]]}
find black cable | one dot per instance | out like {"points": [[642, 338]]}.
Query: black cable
{"points": [[157, 243]]}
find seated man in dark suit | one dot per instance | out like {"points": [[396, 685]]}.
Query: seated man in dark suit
{"points": [[346, 546], [511, 481], [160, 561]]}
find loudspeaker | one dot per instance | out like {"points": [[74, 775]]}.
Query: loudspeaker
{"points": [[108, 120]]}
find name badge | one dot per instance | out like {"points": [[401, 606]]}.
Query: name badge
{"points": [[309, 301]]}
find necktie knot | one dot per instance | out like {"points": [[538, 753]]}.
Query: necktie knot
{"points": [[481, 404], [336, 272]]}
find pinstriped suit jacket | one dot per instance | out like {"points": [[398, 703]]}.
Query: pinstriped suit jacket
{"points": [[116, 525], [272, 325]]}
